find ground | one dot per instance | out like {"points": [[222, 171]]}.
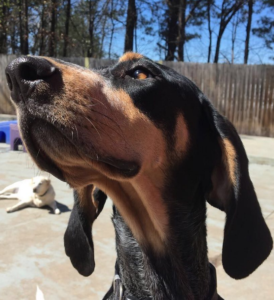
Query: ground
{"points": [[31, 240]]}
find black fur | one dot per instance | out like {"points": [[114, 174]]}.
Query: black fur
{"points": [[78, 237]]}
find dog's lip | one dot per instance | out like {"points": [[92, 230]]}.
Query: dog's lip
{"points": [[45, 163], [127, 168]]}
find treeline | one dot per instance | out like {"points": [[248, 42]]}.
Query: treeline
{"points": [[91, 28]]}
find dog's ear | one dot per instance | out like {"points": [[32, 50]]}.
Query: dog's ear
{"points": [[247, 239], [78, 236]]}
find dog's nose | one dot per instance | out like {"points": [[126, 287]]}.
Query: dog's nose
{"points": [[23, 72]]}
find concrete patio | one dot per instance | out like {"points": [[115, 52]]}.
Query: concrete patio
{"points": [[31, 240]]}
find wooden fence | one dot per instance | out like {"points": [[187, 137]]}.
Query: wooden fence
{"points": [[242, 93]]}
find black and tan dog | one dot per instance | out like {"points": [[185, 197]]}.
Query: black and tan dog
{"points": [[149, 139]]}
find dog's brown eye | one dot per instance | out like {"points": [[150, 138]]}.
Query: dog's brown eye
{"points": [[140, 74]]}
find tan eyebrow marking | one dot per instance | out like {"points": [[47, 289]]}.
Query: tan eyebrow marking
{"points": [[130, 56]]}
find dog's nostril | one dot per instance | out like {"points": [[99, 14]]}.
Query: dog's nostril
{"points": [[39, 70], [28, 72], [9, 81]]}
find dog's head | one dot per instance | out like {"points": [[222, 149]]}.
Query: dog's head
{"points": [[40, 184], [142, 133]]}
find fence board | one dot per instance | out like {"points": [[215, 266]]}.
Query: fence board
{"points": [[242, 93], [6, 107]]}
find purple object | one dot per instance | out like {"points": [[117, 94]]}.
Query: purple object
{"points": [[5, 131], [15, 138]]}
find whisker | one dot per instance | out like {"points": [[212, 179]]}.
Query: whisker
{"points": [[76, 132], [109, 127], [107, 117], [38, 153], [99, 101], [93, 126]]}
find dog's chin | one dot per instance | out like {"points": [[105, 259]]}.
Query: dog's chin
{"points": [[42, 144], [50, 149]]}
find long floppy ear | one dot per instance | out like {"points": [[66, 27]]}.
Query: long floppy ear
{"points": [[88, 203], [247, 239]]}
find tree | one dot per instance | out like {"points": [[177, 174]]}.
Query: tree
{"points": [[92, 5], [25, 46], [228, 10], [265, 29], [238, 19], [177, 16], [66, 36], [248, 28], [3, 28], [42, 29], [52, 37], [194, 15], [171, 32], [208, 11], [130, 25]]}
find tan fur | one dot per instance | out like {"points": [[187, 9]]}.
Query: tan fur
{"points": [[230, 159], [87, 201], [182, 136], [224, 174], [130, 56]]}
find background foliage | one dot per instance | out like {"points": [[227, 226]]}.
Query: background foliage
{"points": [[198, 30]]}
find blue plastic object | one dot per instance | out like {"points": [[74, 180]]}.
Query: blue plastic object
{"points": [[5, 131]]}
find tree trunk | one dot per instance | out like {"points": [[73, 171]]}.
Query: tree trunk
{"points": [[25, 47], [248, 27], [181, 29], [20, 25], [3, 28], [172, 31], [91, 30], [66, 37], [42, 31], [235, 25], [209, 30], [182, 23], [112, 30], [218, 44], [13, 42], [52, 38], [101, 53], [130, 25]]}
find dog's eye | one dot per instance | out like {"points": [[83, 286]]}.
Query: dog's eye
{"points": [[140, 74]]}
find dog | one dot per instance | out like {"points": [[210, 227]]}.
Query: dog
{"points": [[148, 138], [35, 192]]}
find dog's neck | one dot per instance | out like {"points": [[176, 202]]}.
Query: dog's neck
{"points": [[181, 272], [45, 193], [161, 233]]}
